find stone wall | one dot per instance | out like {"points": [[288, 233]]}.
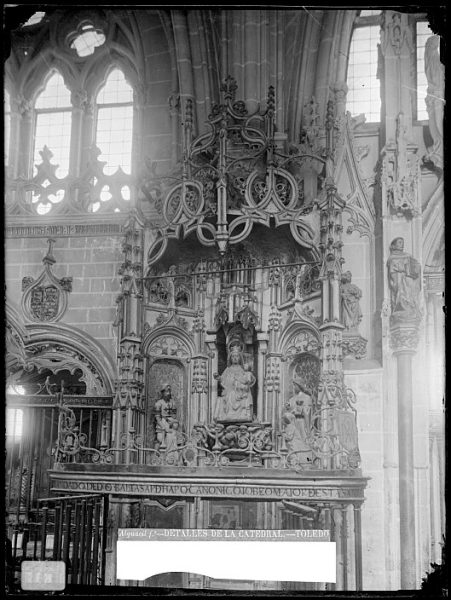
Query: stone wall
{"points": [[367, 384], [93, 264]]}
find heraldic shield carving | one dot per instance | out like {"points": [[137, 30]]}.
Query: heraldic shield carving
{"points": [[45, 299]]}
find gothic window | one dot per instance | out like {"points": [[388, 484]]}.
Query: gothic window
{"points": [[88, 40], [115, 123], [363, 85], [53, 122], [74, 90], [423, 31], [7, 121]]}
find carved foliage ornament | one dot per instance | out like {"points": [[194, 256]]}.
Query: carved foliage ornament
{"points": [[57, 358], [304, 341], [168, 345], [48, 195], [45, 299], [404, 338], [353, 345]]}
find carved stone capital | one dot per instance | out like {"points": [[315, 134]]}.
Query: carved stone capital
{"points": [[404, 335], [353, 345], [21, 105]]}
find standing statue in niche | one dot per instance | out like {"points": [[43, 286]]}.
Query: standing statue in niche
{"points": [[297, 421], [404, 279], [235, 404], [165, 412], [351, 313]]}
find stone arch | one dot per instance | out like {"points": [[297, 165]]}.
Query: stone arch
{"points": [[107, 60], [299, 336], [300, 348], [168, 350], [83, 349], [34, 77], [177, 342], [60, 347]]}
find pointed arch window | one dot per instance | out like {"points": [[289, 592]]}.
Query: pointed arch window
{"points": [[114, 127], [7, 121], [53, 123], [363, 84]]}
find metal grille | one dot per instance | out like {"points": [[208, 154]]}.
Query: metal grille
{"points": [[71, 529]]}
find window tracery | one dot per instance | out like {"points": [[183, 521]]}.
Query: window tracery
{"points": [[75, 110], [86, 39]]}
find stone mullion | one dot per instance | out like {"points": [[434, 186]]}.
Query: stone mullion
{"points": [[26, 141], [80, 103], [14, 141], [88, 129]]}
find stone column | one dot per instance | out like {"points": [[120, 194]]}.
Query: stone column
{"points": [[404, 340]]}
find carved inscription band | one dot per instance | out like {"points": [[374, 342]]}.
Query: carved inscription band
{"points": [[16, 231], [269, 492]]}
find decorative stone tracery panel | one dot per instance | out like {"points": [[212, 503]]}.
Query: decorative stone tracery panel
{"points": [[305, 368], [168, 345], [304, 341]]}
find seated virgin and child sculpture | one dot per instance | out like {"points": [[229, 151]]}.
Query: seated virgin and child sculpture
{"points": [[235, 403]]}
